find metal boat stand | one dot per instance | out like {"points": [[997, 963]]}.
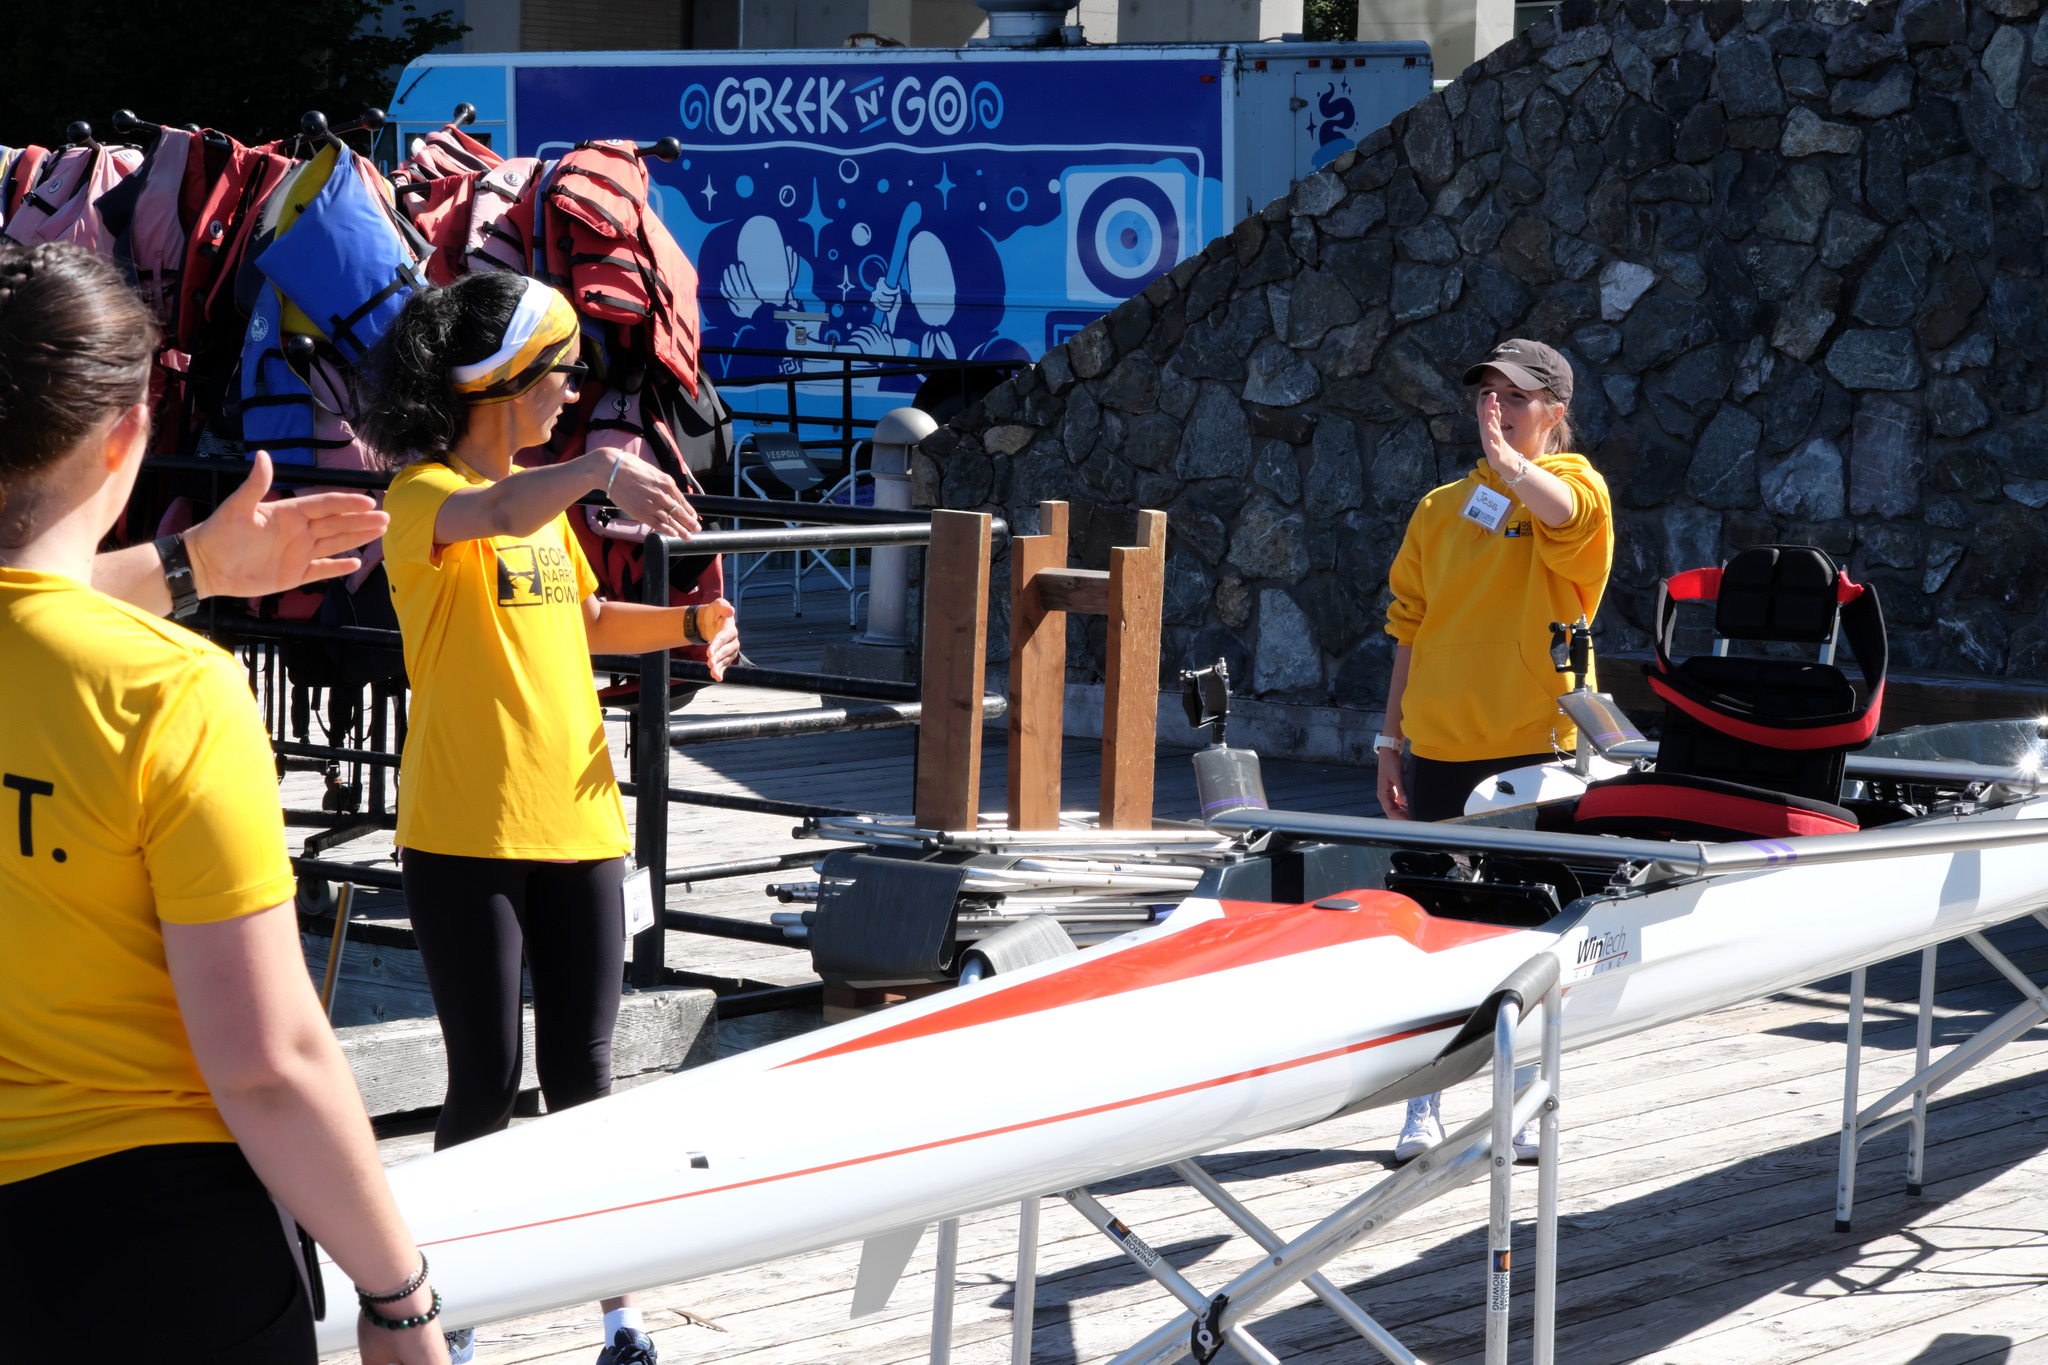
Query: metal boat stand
{"points": [[1859, 1126], [1483, 1145]]}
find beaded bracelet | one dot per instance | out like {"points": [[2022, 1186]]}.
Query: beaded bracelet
{"points": [[376, 1319], [404, 1291]]}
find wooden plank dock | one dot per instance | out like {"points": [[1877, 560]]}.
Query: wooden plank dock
{"points": [[1697, 1176]]}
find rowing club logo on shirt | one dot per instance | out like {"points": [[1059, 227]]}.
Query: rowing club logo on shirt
{"points": [[533, 575]]}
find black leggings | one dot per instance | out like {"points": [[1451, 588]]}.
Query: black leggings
{"points": [[473, 918], [171, 1254], [1437, 789]]}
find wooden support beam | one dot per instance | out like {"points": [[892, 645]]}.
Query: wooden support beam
{"points": [[1038, 672], [1082, 590], [955, 668], [1130, 701]]}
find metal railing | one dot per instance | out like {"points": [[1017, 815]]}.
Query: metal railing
{"points": [[873, 704], [369, 752]]}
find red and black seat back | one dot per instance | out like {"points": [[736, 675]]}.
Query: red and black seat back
{"points": [[1753, 748], [1784, 724]]}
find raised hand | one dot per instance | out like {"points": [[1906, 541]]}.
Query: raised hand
{"points": [[1504, 458], [251, 548]]}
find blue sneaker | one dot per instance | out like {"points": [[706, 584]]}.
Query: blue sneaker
{"points": [[629, 1348], [461, 1346]]}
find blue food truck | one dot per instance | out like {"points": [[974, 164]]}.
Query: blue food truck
{"points": [[967, 204]]}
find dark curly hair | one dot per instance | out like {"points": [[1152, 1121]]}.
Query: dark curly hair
{"points": [[412, 410], [76, 345]]}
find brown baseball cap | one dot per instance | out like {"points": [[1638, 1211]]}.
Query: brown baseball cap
{"points": [[1527, 365]]}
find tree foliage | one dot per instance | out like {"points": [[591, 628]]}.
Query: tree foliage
{"points": [[247, 67], [1329, 21]]}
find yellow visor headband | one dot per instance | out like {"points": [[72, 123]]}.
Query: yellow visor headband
{"points": [[541, 329]]}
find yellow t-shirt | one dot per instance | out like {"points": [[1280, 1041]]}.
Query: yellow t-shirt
{"points": [[1476, 605], [505, 753], [139, 787]]}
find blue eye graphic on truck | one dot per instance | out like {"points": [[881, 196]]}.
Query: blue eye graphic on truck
{"points": [[1125, 227]]}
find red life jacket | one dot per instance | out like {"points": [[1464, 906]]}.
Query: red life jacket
{"points": [[220, 231], [441, 210], [621, 263], [501, 216], [27, 167]]}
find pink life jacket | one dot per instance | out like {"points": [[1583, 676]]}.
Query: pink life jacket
{"points": [[61, 208], [449, 151], [501, 216], [156, 234]]}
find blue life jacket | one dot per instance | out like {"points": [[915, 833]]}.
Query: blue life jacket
{"points": [[345, 264], [277, 407]]}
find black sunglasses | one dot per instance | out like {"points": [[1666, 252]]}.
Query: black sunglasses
{"points": [[577, 371]]}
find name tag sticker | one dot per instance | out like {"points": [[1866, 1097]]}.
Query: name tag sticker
{"points": [[1485, 508], [639, 888]]}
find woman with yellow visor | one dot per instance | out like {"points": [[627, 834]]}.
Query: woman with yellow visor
{"points": [[513, 834]]}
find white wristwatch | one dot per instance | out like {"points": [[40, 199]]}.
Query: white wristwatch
{"points": [[1386, 742]]}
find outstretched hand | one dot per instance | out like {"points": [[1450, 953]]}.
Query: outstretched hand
{"points": [[650, 497], [252, 548]]}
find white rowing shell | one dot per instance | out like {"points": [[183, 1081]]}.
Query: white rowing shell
{"points": [[1228, 1022]]}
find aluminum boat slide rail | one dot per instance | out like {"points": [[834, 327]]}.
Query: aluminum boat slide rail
{"points": [[1914, 838]]}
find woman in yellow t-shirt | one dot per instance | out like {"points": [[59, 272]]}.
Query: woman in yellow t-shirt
{"points": [[1487, 564], [514, 835], [165, 1068]]}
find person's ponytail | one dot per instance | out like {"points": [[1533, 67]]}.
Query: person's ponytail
{"points": [[412, 410], [76, 344], [1561, 437]]}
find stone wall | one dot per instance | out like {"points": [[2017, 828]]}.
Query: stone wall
{"points": [[1793, 249]]}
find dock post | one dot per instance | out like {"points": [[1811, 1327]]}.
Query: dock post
{"points": [[1038, 675], [1130, 697], [942, 1291], [650, 825], [1024, 1296], [955, 668]]}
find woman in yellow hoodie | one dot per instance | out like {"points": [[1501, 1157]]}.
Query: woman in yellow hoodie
{"points": [[1488, 563]]}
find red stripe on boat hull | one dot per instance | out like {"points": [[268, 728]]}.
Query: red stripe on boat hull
{"points": [[1249, 932]]}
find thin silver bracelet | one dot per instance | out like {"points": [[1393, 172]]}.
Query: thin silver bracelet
{"points": [[1527, 465], [617, 460]]}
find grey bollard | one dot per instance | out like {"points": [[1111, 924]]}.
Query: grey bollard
{"points": [[889, 566]]}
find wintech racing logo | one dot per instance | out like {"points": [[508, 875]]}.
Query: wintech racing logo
{"points": [[534, 575]]}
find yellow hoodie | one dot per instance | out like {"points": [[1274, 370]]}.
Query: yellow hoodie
{"points": [[1476, 607]]}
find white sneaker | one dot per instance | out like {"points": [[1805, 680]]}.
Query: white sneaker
{"points": [[1422, 1131], [461, 1346], [1529, 1142]]}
